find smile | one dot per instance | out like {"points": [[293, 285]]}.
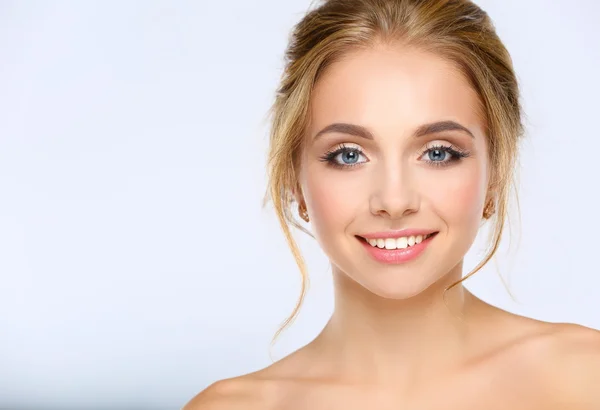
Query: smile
{"points": [[402, 242], [396, 250]]}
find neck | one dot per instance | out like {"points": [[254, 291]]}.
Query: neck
{"points": [[377, 339]]}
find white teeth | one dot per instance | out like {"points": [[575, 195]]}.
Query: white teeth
{"points": [[390, 243], [401, 243], [398, 243]]}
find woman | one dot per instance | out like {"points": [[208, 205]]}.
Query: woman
{"points": [[395, 132]]}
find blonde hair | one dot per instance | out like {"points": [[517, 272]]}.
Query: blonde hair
{"points": [[457, 30]]}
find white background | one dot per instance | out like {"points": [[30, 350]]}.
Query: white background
{"points": [[136, 263]]}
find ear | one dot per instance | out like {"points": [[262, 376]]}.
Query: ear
{"points": [[297, 194], [492, 187], [491, 195], [489, 206]]}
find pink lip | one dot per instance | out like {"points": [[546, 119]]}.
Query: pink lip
{"points": [[396, 256], [397, 234]]}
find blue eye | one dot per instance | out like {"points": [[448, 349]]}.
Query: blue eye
{"points": [[344, 157], [348, 156], [437, 154], [441, 155]]}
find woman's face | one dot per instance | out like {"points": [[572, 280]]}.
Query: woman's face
{"points": [[409, 153]]}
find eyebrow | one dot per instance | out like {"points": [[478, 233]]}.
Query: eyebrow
{"points": [[425, 129]]}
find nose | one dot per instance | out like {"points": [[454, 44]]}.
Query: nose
{"points": [[394, 193]]}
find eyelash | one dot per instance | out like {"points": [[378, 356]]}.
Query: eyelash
{"points": [[455, 153]]}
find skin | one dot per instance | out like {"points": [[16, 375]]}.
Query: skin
{"points": [[392, 342]]}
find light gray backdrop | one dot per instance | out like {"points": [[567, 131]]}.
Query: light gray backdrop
{"points": [[136, 265]]}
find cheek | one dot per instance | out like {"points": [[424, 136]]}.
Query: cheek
{"points": [[332, 198], [326, 198], [459, 200]]}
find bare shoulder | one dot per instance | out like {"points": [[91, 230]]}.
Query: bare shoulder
{"points": [[557, 365], [263, 389], [242, 392], [572, 363]]}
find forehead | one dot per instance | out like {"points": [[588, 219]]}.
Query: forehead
{"points": [[393, 88]]}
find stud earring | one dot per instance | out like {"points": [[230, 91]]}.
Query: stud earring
{"points": [[489, 209], [303, 212]]}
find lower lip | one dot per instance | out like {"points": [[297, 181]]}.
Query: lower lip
{"points": [[396, 256]]}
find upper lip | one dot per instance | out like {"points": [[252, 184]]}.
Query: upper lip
{"points": [[397, 234]]}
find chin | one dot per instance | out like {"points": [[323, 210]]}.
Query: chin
{"points": [[391, 282], [398, 288]]}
